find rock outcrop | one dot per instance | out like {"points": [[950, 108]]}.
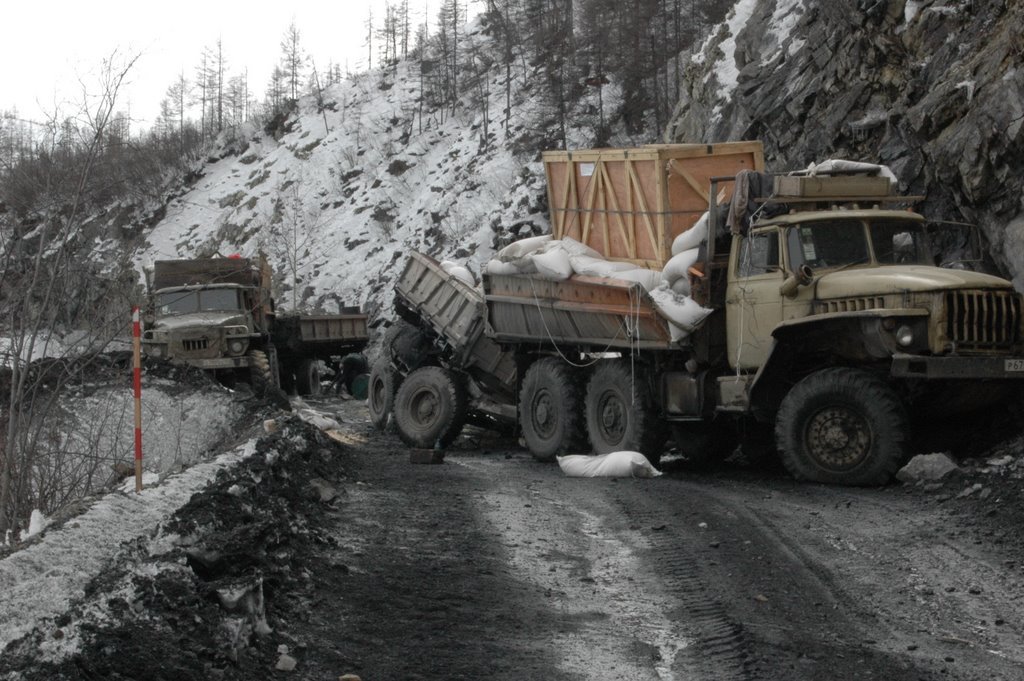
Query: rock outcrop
{"points": [[932, 88]]}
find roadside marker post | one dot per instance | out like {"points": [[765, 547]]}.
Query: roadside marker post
{"points": [[137, 385]]}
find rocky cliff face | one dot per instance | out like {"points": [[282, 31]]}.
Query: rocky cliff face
{"points": [[932, 88]]}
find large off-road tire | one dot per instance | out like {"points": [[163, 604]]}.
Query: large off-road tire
{"points": [[307, 377], [407, 345], [551, 409], [263, 381], [380, 393], [842, 426], [260, 373], [621, 414], [430, 407]]}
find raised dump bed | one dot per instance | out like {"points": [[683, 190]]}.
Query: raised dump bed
{"points": [[427, 295], [595, 313]]}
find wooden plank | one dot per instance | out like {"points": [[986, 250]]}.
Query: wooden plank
{"points": [[644, 211]]}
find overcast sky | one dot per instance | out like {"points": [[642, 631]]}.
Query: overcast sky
{"points": [[49, 46]]}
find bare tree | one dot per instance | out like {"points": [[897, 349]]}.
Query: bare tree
{"points": [[44, 268], [290, 237], [293, 60]]}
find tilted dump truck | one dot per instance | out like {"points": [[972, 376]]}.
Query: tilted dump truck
{"points": [[218, 314], [440, 369], [831, 333]]}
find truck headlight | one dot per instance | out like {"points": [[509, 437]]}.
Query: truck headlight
{"points": [[155, 351], [905, 336], [236, 346]]}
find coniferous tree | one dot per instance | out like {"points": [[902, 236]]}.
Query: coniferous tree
{"points": [[293, 60]]}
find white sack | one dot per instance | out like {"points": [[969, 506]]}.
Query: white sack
{"points": [[553, 265], [691, 238], [518, 249], [649, 279], [597, 267], [573, 247], [497, 267], [460, 272], [683, 312], [676, 267], [681, 287], [614, 465], [839, 165]]}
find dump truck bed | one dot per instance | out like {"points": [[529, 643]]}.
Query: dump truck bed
{"points": [[593, 313], [205, 272], [323, 334], [456, 313]]}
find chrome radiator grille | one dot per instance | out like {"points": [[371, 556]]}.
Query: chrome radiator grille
{"points": [[982, 319]]}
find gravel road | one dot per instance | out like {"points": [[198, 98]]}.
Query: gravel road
{"points": [[493, 566]]}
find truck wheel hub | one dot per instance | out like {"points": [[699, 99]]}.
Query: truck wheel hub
{"points": [[425, 406], [613, 416], [838, 438], [543, 416]]}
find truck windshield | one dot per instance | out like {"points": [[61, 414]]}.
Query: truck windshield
{"points": [[900, 242], [207, 300], [828, 244]]}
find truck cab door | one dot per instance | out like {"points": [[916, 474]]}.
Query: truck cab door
{"points": [[753, 304]]}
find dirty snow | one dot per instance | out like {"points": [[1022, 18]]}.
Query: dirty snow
{"points": [[41, 580]]}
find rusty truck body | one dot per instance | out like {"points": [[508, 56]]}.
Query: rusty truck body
{"points": [[217, 314]]}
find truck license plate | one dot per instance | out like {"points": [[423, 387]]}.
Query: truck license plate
{"points": [[1014, 365]]}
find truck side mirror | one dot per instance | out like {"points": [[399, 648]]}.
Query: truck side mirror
{"points": [[801, 277]]}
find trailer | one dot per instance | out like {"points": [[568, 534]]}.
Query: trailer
{"points": [[440, 368]]}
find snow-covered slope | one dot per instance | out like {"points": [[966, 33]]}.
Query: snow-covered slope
{"points": [[341, 195]]}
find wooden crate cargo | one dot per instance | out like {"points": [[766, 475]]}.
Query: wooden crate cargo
{"points": [[629, 204]]}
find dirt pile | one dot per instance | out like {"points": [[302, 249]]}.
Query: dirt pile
{"points": [[211, 595]]}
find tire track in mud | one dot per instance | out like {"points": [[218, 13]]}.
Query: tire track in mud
{"points": [[720, 644]]}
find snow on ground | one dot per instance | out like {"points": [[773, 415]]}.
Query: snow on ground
{"points": [[178, 427], [41, 580]]}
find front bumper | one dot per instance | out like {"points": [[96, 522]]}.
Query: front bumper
{"points": [[917, 366], [215, 363]]}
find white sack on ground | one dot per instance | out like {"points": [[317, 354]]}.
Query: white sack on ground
{"points": [[676, 267], [691, 238], [597, 267], [649, 279], [614, 465], [554, 264], [683, 312]]}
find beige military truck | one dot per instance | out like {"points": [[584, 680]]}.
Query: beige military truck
{"points": [[832, 334], [217, 314]]}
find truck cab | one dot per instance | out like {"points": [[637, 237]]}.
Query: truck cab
{"points": [[827, 310], [208, 326]]}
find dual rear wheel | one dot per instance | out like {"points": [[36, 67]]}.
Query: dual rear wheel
{"points": [[560, 409]]}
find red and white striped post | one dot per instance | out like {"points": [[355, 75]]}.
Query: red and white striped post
{"points": [[137, 384]]}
